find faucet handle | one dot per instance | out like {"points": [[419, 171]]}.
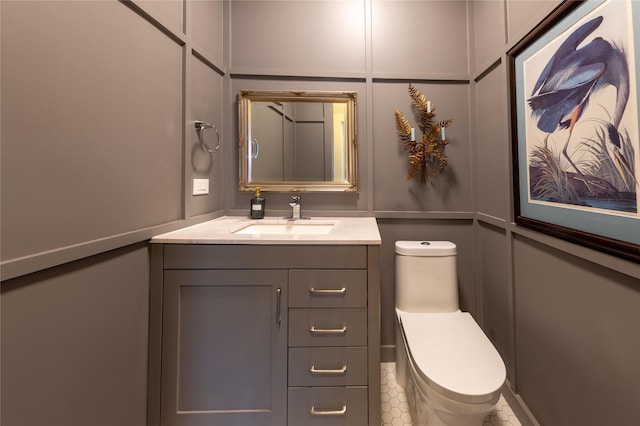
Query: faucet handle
{"points": [[295, 199]]}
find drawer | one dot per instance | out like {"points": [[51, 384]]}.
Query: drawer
{"points": [[328, 406], [328, 327], [335, 366], [328, 288]]}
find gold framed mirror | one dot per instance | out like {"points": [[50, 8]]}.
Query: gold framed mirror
{"points": [[297, 141]]}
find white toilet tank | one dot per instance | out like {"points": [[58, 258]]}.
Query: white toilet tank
{"points": [[426, 277]]}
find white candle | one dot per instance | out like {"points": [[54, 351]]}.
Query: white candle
{"points": [[428, 106], [413, 134], [443, 136]]}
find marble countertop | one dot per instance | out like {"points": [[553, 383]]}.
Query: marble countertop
{"points": [[345, 231]]}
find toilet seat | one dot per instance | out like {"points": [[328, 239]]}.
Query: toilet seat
{"points": [[452, 355]]}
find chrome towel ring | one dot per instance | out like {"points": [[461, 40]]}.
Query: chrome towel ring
{"points": [[201, 127]]}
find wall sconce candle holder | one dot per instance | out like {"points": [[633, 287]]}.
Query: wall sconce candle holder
{"points": [[426, 157]]}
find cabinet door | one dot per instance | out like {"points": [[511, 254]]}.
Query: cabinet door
{"points": [[224, 348]]}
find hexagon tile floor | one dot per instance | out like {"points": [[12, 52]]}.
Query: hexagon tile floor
{"points": [[395, 409]]}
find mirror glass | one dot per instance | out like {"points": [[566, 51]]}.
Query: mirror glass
{"points": [[297, 141]]}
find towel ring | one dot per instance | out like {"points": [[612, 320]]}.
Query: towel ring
{"points": [[201, 127]]}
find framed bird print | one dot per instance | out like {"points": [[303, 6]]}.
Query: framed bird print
{"points": [[575, 136]]}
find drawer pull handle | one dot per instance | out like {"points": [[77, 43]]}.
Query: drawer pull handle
{"points": [[341, 330], [314, 370], [341, 412], [328, 291]]}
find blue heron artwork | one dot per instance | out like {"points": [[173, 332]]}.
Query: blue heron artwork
{"points": [[582, 117]]}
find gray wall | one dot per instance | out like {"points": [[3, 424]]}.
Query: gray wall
{"points": [[74, 342], [359, 46], [98, 153], [98, 142], [564, 316]]}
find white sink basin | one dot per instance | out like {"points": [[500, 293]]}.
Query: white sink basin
{"points": [[287, 228]]}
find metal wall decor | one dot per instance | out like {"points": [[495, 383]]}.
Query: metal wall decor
{"points": [[426, 157]]}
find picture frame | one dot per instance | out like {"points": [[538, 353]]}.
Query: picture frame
{"points": [[574, 126]]}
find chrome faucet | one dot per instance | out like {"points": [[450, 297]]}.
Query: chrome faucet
{"points": [[295, 205]]}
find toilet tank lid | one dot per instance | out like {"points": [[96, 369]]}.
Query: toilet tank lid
{"points": [[425, 248]]}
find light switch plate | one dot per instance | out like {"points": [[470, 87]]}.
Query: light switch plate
{"points": [[200, 186]]}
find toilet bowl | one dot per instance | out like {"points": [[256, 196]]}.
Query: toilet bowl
{"points": [[451, 372]]}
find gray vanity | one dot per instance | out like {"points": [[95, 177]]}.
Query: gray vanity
{"points": [[276, 324]]}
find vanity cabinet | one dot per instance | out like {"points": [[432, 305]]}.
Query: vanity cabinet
{"points": [[264, 335]]}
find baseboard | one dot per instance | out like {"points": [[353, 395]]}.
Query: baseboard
{"points": [[388, 353], [518, 406]]}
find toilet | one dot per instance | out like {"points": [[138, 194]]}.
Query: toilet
{"points": [[451, 372]]}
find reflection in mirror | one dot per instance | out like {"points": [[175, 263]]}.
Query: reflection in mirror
{"points": [[297, 141]]}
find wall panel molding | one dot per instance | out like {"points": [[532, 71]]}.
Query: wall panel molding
{"points": [[98, 128]]}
